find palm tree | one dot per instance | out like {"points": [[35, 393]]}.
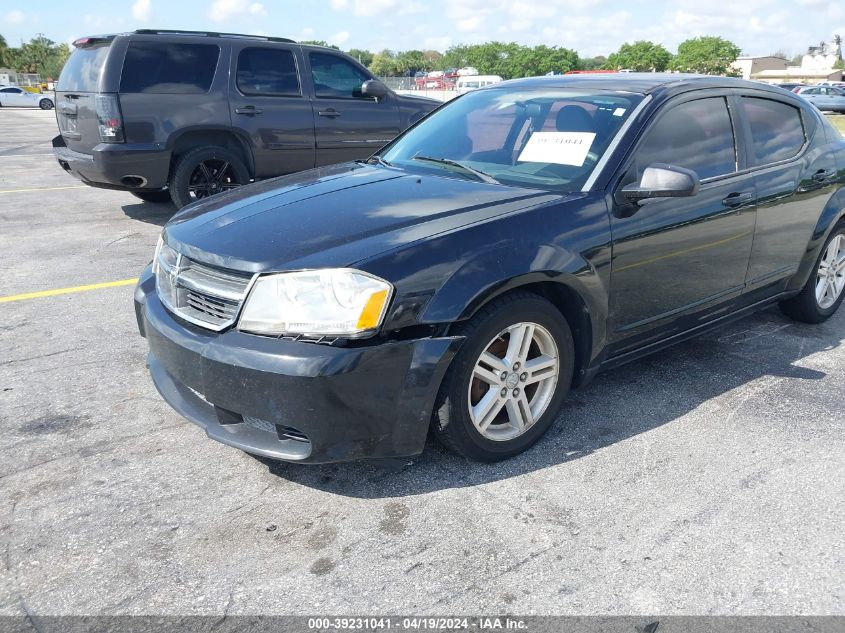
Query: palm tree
{"points": [[3, 48]]}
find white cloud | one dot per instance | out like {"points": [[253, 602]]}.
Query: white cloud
{"points": [[339, 39], [469, 24], [385, 8], [437, 43], [224, 10], [14, 17], [142, 10]]}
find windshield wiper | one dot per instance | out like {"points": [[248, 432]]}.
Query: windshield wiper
{"points": [[374, 160], [465, 168]]}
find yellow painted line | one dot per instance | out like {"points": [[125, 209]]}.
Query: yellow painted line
{"points": [[42, 189], [65, 291]]}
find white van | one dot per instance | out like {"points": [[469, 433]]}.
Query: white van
{"points": [[471, 82]]}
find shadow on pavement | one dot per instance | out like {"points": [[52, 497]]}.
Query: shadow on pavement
{"points": [[618, 404], [150, 212]]}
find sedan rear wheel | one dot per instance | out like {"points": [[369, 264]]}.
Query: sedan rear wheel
{"points": [[507, 383], [830, 279], [823, 293]]}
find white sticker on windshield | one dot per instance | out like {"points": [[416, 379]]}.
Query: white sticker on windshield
{"points": [[619, 112], [561, 148]]}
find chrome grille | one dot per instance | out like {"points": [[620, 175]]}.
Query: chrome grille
{"points": [[204, 295]]}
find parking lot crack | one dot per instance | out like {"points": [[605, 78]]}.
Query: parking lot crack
{"points": [[39, 356]]}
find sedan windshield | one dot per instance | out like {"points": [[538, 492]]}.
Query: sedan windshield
{"points": [[547, 139]]}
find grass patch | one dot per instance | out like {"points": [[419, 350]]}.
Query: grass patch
{"points": [[838, 121]]}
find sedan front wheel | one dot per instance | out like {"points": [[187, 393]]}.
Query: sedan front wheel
{"points": [[507, 383]]}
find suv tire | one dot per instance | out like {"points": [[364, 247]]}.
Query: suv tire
{"points": [[205, 171], [153, 196]]}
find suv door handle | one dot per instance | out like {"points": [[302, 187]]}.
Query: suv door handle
{"points": [[331, 113], [823, 175], [737, 199], [248, 110]]}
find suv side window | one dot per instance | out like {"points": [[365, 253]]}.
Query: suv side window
{"points": [[777, 132], [153, 67], [697, 135], [268, 71], [334, 77]]}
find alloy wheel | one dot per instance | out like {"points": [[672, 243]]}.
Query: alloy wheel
{"points": [[513, 381], [211, 177], [830, 280]]}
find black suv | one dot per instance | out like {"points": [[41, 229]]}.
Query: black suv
{"points": [[185, 115]]}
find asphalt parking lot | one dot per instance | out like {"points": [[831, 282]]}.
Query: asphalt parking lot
{"points": [[708, 479]]}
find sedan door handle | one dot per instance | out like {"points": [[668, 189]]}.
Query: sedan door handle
{"points": [[248, 110], [331, 113], [738, 199], [824, 175]]}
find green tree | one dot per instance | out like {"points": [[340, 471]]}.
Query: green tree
{"points": [[52, 67], [412, 61], [592, 63], [384, 64], [320, 43], [708, 55], [839, 65], [362, 55], [4, 49], [511, 60], [642, 56]]}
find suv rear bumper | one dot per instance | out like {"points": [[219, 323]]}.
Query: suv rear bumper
{"points": [[291, 400], [110, 165]]}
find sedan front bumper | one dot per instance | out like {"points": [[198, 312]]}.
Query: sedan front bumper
{"points": [[293, 400]]}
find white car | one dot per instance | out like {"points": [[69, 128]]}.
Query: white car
{"points": [[14, 96]]}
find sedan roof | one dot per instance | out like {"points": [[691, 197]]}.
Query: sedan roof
{"points": [[643, 83]]}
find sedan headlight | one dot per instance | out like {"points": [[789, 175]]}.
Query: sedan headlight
{"points": [[330, 302]]}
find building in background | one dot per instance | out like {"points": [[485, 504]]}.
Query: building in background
{"points": [[747, 65], [817, 65]]}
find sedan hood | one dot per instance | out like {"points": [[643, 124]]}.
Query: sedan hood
{"points": [[335, 216]]}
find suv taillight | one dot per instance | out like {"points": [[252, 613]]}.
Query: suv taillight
{"points": [[109, 119]]}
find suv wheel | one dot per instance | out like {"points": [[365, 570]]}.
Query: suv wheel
{"points": [[45, 104], [823, 293], [508, 381], [153, 196], [206, 171]]}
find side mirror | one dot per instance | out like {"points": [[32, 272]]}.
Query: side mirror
{"points": [[374, 88], [663, 181]]}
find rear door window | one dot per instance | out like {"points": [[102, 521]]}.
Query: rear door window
{"points": [[335, 77], [81, 73], [696, 135], [152, 67], [268, 71], [777, 132]]}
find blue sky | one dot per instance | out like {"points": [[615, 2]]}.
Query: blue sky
{"points": [[594, 27]]}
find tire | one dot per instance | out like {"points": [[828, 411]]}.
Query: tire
{"points": [[807, 306], [153, 196], [224, 171], [487, 332], [45, 104]]}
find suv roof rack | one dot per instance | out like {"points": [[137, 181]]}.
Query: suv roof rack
{"points": [[213, 34]]}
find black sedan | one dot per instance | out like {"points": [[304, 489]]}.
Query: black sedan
{"points": [[494, 256]]}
